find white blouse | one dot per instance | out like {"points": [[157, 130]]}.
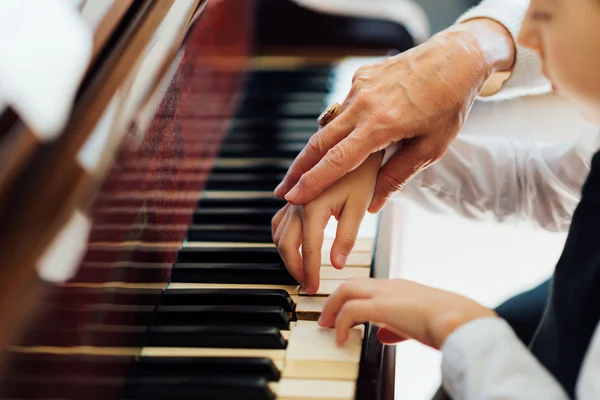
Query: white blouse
{"points": [[497, 179]]}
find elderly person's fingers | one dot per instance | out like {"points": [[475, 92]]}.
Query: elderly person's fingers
{"points": [[344, 157], [318, 145], [409, 160]]}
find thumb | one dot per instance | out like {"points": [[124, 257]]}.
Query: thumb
{"points": [[408, 161], [386, 336]]}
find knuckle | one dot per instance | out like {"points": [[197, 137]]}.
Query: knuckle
{"points": [[285, 247], [306, 182], [345, 288], [392, 182], [360, 74], [337, 157], [362, 99], [314, 146], [346, 240], [431, 151]]}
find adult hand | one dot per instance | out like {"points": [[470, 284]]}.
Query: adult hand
{"points": [[405, 309], [419, 98]]}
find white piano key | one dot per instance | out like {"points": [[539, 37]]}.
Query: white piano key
{"points": [[315, 389], [313, 353]]}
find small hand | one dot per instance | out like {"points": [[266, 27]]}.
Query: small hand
{"points": [[405, 309], [304, 226]]}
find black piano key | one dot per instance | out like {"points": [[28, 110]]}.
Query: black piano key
{"points": [[238, 273], [224, 337], [265, 170], [249, 124], [290, 110], [282, 83], [230, 233], [271, 316], [273, 146], [149, 367], [260, 203], [206, 388], [62, 387], [244, 216], [88, 335], [70, 365], [296, 72], [251, 297], [290, 96], [263, 185], [225, 255], [67, 296], [267, 137], [78, 317], [259, 153]]}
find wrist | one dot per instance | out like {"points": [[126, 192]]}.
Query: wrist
{"points": [[444, 325], [488, 42], [495, 41]]}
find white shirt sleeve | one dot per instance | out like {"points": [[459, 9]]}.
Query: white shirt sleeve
{"points": [[526, 77], [484, 359], [492, 178]]}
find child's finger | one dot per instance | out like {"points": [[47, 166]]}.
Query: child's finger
{"points": [[281, 227], [345, 235], [313, 232], [276, 220], [289, 245], [351, 290], [352, 313]]}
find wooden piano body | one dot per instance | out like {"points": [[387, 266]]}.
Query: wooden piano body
{"points": [[137, 228]]}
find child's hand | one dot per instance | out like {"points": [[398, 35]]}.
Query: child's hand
{"points": [[295, 226], [405, 309]]}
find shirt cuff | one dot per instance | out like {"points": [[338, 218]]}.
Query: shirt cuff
{"points": [[526, 77], [475, 337]]}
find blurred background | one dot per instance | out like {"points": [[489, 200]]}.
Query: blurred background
{"points": [[442, 13], [487, 262]]}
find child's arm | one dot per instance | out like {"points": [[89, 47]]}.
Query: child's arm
{"points": [[496, 179], [294, 226]]}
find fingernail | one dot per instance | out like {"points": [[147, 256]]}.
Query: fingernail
{"points": [[341, 260], [309, 289], [292, 194]]}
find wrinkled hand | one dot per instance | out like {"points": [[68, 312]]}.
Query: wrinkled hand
{"points": [[404, 309], [304, 226], [419, 98]]}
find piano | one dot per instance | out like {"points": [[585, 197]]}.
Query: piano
{"points": [[136, 201]]}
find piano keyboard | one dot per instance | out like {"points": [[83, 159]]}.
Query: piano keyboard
{"points": [[181, 293]]}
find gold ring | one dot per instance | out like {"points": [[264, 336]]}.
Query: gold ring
{"points": [[329, 114]]}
